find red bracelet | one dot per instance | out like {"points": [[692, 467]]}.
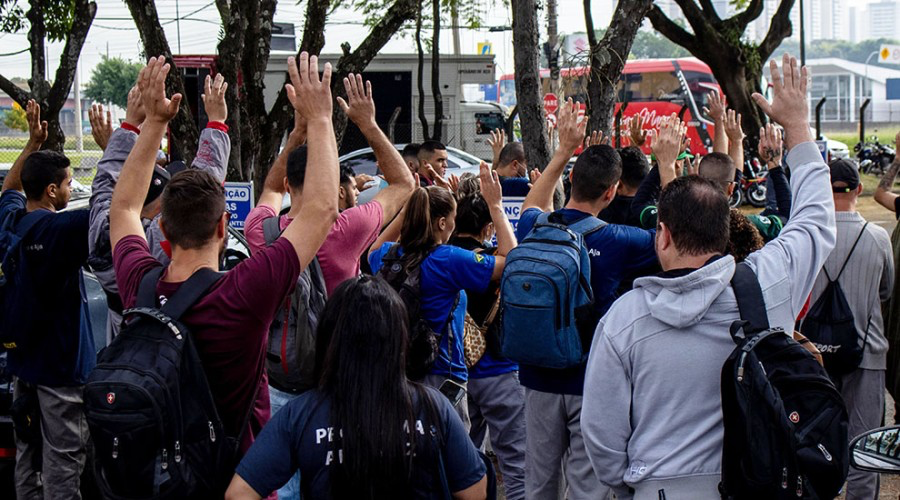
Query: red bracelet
{"points": [[218, 126], [131, 128]]}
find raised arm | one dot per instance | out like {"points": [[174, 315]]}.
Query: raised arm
{"points": [[493, 196], [311, 97], [497, 141], [716, 111], [101, 124], [883, 194], [360, 108], [571, 134], [273, 188], [735, 138], [801, 248], [667, 145], [770, 144], [37, 134], [214, 146], [128, 197]]}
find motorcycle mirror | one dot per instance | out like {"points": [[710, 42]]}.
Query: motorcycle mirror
{"points": [[877, 451]]}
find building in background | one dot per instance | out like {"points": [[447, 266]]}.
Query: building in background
{"points": [[882, 20]]}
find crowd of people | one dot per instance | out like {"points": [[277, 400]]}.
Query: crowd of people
{"points": [[358, 352]]}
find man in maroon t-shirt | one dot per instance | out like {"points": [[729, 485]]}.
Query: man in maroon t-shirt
{"points": [[231, 322]]}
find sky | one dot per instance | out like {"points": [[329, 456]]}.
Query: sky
{"points": [[113, 32]]}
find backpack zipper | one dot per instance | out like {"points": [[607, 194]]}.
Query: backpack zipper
{"points": [[212, 432], [799, 486], [115, 449], [165, 459], [784, 478], [824, 452], [177, 452], [740, 372]]}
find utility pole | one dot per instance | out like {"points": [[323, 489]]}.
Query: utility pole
{"points": [[79, 132], [552, 52], [178, 25], [454, 18], [802, 36]]}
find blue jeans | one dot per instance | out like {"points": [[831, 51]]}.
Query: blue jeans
{"points": [[291, 489]]}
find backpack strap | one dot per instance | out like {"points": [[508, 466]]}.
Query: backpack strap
{"points": [[146, 296], [188, 293], [847, 260], [588, 225], [271, 229], [749, 299], [29, 220]]}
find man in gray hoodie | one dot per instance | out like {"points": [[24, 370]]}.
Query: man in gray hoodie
{"points": [[212, 155], [652, 410]]}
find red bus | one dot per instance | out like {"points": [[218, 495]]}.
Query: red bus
{"points": [[651, 87]]}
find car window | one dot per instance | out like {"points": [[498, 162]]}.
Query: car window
{"points": [[362, 164]]}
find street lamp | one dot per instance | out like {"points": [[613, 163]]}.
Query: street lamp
{"points": [[866, 72]]}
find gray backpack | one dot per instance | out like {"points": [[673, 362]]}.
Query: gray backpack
{"points": [[291, 349]]}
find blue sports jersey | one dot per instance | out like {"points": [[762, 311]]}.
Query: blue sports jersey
{"points": [[446, 273]]}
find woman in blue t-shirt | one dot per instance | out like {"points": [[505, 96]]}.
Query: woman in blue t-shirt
{"points": [[423, 228], [366, 432]]}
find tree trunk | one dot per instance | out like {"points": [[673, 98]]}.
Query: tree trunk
{"points": [[528, 83], [420, 76], [438, 133], [228, 64], [737, 66], [608, 58], [255, 58], [183, 130]]}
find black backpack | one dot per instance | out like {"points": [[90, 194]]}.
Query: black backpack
{"points": [[291, 348], [153, 422], [785, 423], [18, 299], [829, 325], [424, 343]]}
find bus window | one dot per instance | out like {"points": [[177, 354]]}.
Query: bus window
{"points": [[645, 87]]}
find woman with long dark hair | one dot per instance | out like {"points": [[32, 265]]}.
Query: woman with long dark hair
{"points": [[367, 432], [423, 228]]}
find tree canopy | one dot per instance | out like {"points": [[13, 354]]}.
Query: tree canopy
{"points": [[111, 80]]}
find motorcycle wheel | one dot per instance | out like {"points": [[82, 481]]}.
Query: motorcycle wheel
{"points": [[756, 195], [737, 198]]}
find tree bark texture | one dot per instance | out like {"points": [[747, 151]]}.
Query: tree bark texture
{"points": [[526, 56], [420, 76], [737, 66], [183, 130], [436, 94], [608, 58]]}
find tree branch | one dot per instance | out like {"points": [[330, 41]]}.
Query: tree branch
{"points": [[17, 93], [224, 8], [779, 28], [696, 17], [709, 10], [68, 62], [670, 30], [753, 11], [40, 90]]}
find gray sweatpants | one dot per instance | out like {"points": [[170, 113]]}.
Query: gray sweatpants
{"points": [[462, 409], [64, 434], [863, 393], [553, 442], [498, 403]]}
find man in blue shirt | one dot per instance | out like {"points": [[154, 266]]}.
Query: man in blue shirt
{"points": [[52, 369], [553, 397], [513, 170]]}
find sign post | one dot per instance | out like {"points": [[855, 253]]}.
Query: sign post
{"points": [[238, 202], [889, 54]]}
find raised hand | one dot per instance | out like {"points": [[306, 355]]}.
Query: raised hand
{"points": [[497, 141], [770, 141], [716, 108], [309, 95], [437, 179], [693, 168], [214, 98], [37, 129], [454, 183], [789, 106], [533, 176], [359, 107], [362, 181], [152, 84], [101, 124], [667, 145], [134, 110], [595, 139], [571, 131], [490, 186], [636, 130], [733, 126]]}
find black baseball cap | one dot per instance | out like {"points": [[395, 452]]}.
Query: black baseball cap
{"points": [[158, 182], [846, 174]]}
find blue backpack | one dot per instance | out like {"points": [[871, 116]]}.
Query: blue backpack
{"points": [[546, 295], [17, 298]]}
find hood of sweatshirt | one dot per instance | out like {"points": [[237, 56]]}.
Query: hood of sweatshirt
{"points": [[683, 301]]}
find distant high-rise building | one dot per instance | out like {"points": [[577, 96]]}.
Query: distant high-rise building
{"points": [[882, 19]]}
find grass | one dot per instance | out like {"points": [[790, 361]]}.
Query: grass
{"points": [[885, 135], [9, 157], [18, 142]]}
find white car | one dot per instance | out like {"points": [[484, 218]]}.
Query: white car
{"points": [[836, 149], [362, 161]]}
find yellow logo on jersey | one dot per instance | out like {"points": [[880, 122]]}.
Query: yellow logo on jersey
{"points": [[479, 258]]}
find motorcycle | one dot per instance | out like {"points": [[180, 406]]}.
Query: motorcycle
{"points": [[751, 185], [874, 158]]}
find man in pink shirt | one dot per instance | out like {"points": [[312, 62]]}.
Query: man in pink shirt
{"points": [[358, 225]]}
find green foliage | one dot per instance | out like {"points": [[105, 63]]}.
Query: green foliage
{"points": [[111, 80], [649, 44], [856, 52], [58, 15], [15, 118]]}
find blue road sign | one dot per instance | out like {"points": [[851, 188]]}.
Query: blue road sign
{"points": [[238, 202]]}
